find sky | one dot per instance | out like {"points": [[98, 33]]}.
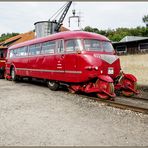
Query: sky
{"points": [[21, 16]]}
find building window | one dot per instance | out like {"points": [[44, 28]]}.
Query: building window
{"points": [[121, 49], [143, 47]]}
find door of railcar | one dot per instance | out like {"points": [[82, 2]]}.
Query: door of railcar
{"points": [[71, 58], [34, 60], [59, 61], [2, 58]]}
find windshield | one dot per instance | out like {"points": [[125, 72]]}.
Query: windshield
{"points": [[92, 44], [73, 45]]}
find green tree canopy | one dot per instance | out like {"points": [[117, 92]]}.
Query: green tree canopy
{"points": [[145, 18], [119, 33], [5, 36]]}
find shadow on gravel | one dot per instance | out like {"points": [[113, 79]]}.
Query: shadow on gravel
{"points": [[42, 83], [39, 82]]}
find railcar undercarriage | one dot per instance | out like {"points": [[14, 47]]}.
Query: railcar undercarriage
{"points": [[107, 88], [103, 86]]}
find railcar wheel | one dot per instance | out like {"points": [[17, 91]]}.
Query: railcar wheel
{"points": [[71, 90], [108, 87], [13, 74], [2, 71], [29, 79], [133, 85], [1, 76], [53, 85]]}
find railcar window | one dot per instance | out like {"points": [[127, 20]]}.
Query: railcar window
{"points": [[72, 45], [12, 53], [90, 44], [60, 46], [107, 47], [1, 54], [35, 49], [21, 51], [48, 47], [96, 45]]}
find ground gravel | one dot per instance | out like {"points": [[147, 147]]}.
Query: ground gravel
{"points": [[31, 114]]}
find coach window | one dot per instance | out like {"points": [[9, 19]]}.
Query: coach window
{"points": [[60, 48], [35, 49], [21, 51], [32, 50], [92, 45], [11, 53], [1, 54], [16, 52], [107, 47], [48, 47], [73, 45]]}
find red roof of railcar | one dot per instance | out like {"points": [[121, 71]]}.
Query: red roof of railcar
{"points": [[63, 35]]}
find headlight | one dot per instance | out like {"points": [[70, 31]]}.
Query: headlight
{"points": [[96, 68]]}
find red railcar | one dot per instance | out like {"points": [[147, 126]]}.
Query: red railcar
{"points": [[81, 60], [3, 53]]}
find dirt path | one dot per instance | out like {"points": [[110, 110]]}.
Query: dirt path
{"points": [[31, 114]]}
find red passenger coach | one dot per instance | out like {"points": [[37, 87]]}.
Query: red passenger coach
{"points": [[83, 61], [3, 53]]}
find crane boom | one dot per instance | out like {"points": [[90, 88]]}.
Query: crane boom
{"points": [[61, 19]]}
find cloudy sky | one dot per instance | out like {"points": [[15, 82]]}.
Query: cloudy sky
{"points": [[21, 16]]}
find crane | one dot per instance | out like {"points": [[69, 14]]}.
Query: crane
{"points": [[55, 25]]}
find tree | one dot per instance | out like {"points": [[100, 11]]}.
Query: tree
{"points": [[145, 20], [119, 33], [5, 36]]}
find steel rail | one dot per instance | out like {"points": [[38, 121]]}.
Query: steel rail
{"points": [[120, 105], [139, 98]]}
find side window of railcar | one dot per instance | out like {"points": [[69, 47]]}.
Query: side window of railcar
{"points": [[35, 49], [22, 51], [1, 54], [60, 46], [32, 50], [11, 53], [107, 47], [92, 44], [72, 45], [48, 47]]}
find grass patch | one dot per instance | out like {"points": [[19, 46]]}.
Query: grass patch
{"points": [[136, 65]]}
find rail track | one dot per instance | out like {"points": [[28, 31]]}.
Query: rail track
{"points": [[134, 103], [119, 103]]}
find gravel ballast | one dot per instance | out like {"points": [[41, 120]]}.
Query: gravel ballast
{"points": [[31, 114]]}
